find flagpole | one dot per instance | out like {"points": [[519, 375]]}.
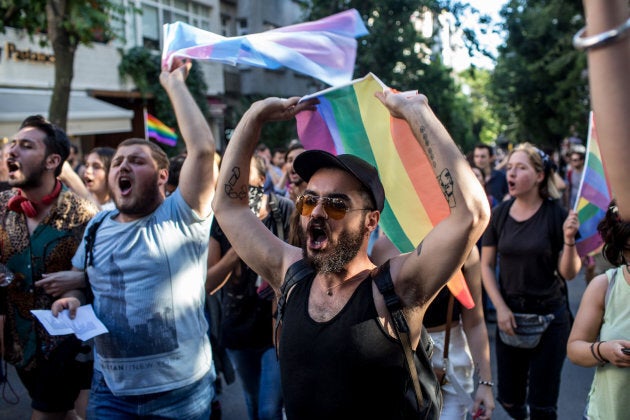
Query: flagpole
{"points": [[145, 119]]}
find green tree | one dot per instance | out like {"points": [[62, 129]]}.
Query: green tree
{"points": [[402, 58], [539, 85], [486, 126], [66, 24]]}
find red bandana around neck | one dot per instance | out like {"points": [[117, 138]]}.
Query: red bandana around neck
{"points": [[21, 204]]}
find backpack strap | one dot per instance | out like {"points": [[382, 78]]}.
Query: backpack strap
{"points": [[277, 217], [298, 271], [385, 285], [90, 238]]}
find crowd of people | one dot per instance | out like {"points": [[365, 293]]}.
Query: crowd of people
{"points": [[286, 244]]}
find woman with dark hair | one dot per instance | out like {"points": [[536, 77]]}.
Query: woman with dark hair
{"points": [[601, 332], [95, 176], [535, 240]]}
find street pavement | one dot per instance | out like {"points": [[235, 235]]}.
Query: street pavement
{"points": [[574, 387]]}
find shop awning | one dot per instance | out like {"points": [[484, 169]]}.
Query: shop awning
{"points": [[86, 115]]}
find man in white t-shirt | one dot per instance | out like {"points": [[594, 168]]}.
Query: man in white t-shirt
{"points": [[147, 269]]}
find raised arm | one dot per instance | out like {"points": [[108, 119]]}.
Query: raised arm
{"points": [[608, 68], [420, 274], [260, 249], [569, 263], [196, 177]]}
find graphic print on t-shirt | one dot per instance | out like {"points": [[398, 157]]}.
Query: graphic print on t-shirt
{"points": [[143, 333]]}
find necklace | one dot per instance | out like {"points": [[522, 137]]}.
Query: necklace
{"points": [[329, 290]]}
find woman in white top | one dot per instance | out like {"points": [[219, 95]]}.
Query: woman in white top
{"points": [[95, 176]]}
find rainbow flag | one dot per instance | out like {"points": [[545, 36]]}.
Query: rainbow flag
{"points": [[349, 119], [594, 196], [159, 131], [324, 49]]}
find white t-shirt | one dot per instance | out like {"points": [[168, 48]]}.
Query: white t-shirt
{"points": [[148, 282]]}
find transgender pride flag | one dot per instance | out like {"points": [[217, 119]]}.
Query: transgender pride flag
{"points": [[324, 49], [593, 196], [350, 119]]}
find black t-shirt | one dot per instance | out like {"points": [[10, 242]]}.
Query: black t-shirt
{"points": [[528, 254], [246, 321]]}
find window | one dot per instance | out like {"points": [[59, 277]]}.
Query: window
{"points": [[155, 13], [150, 27]]}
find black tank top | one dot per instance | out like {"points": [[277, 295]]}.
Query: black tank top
{"points": [[345, 368], [436, 312]]}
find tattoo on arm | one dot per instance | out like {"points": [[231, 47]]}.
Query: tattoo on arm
{"points": [[229, 186], [446, 183], [419, 249], [445, 179], [429, 149]]}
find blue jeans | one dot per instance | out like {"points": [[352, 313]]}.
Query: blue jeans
{"points": [[191, 402], [260, 374], [532, 376]]}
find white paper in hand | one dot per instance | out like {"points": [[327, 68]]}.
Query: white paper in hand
{"points": [[85, 325]]}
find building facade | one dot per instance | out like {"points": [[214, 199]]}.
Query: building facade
{"points": [[104, 108]]}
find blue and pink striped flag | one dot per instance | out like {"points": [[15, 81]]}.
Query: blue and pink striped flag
{"points": [[350, 119], [324, 49], [594, 196]]}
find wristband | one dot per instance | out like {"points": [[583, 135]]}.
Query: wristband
{"points": [[573, 244], [599, 361], [603, 360], [601, 39], [486, 383]]}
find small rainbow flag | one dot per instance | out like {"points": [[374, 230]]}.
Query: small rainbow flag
{"points": [[159, 131], [593, 196], [350, 119]]}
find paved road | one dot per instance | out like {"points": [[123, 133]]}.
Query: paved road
{"points": [[574, 389]]}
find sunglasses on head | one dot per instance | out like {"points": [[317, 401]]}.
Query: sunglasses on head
{"points": [[335, 208]]}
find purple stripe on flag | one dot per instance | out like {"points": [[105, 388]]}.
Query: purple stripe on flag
{"points": [[162, 139], [594, 196], [588, 245], [313, 132]]}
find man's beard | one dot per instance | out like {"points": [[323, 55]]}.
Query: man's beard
{"points": [[31, 180], [335, 258], [148, 200]]}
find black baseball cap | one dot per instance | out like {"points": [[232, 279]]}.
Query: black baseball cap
{"points": [[310, 161]]}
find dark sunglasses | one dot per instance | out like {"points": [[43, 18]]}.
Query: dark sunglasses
{"points": [[335, 208]]}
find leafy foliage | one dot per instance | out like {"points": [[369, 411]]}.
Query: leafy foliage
{"points": [[401, 57], [539, 84]]}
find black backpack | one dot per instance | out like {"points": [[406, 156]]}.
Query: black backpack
{"points": [[425, 396]]}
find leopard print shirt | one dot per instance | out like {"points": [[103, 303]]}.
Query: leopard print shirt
{"points": [[49, 249]]}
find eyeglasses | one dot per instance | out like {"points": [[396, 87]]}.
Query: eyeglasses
{"points": [[334, 207]]}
